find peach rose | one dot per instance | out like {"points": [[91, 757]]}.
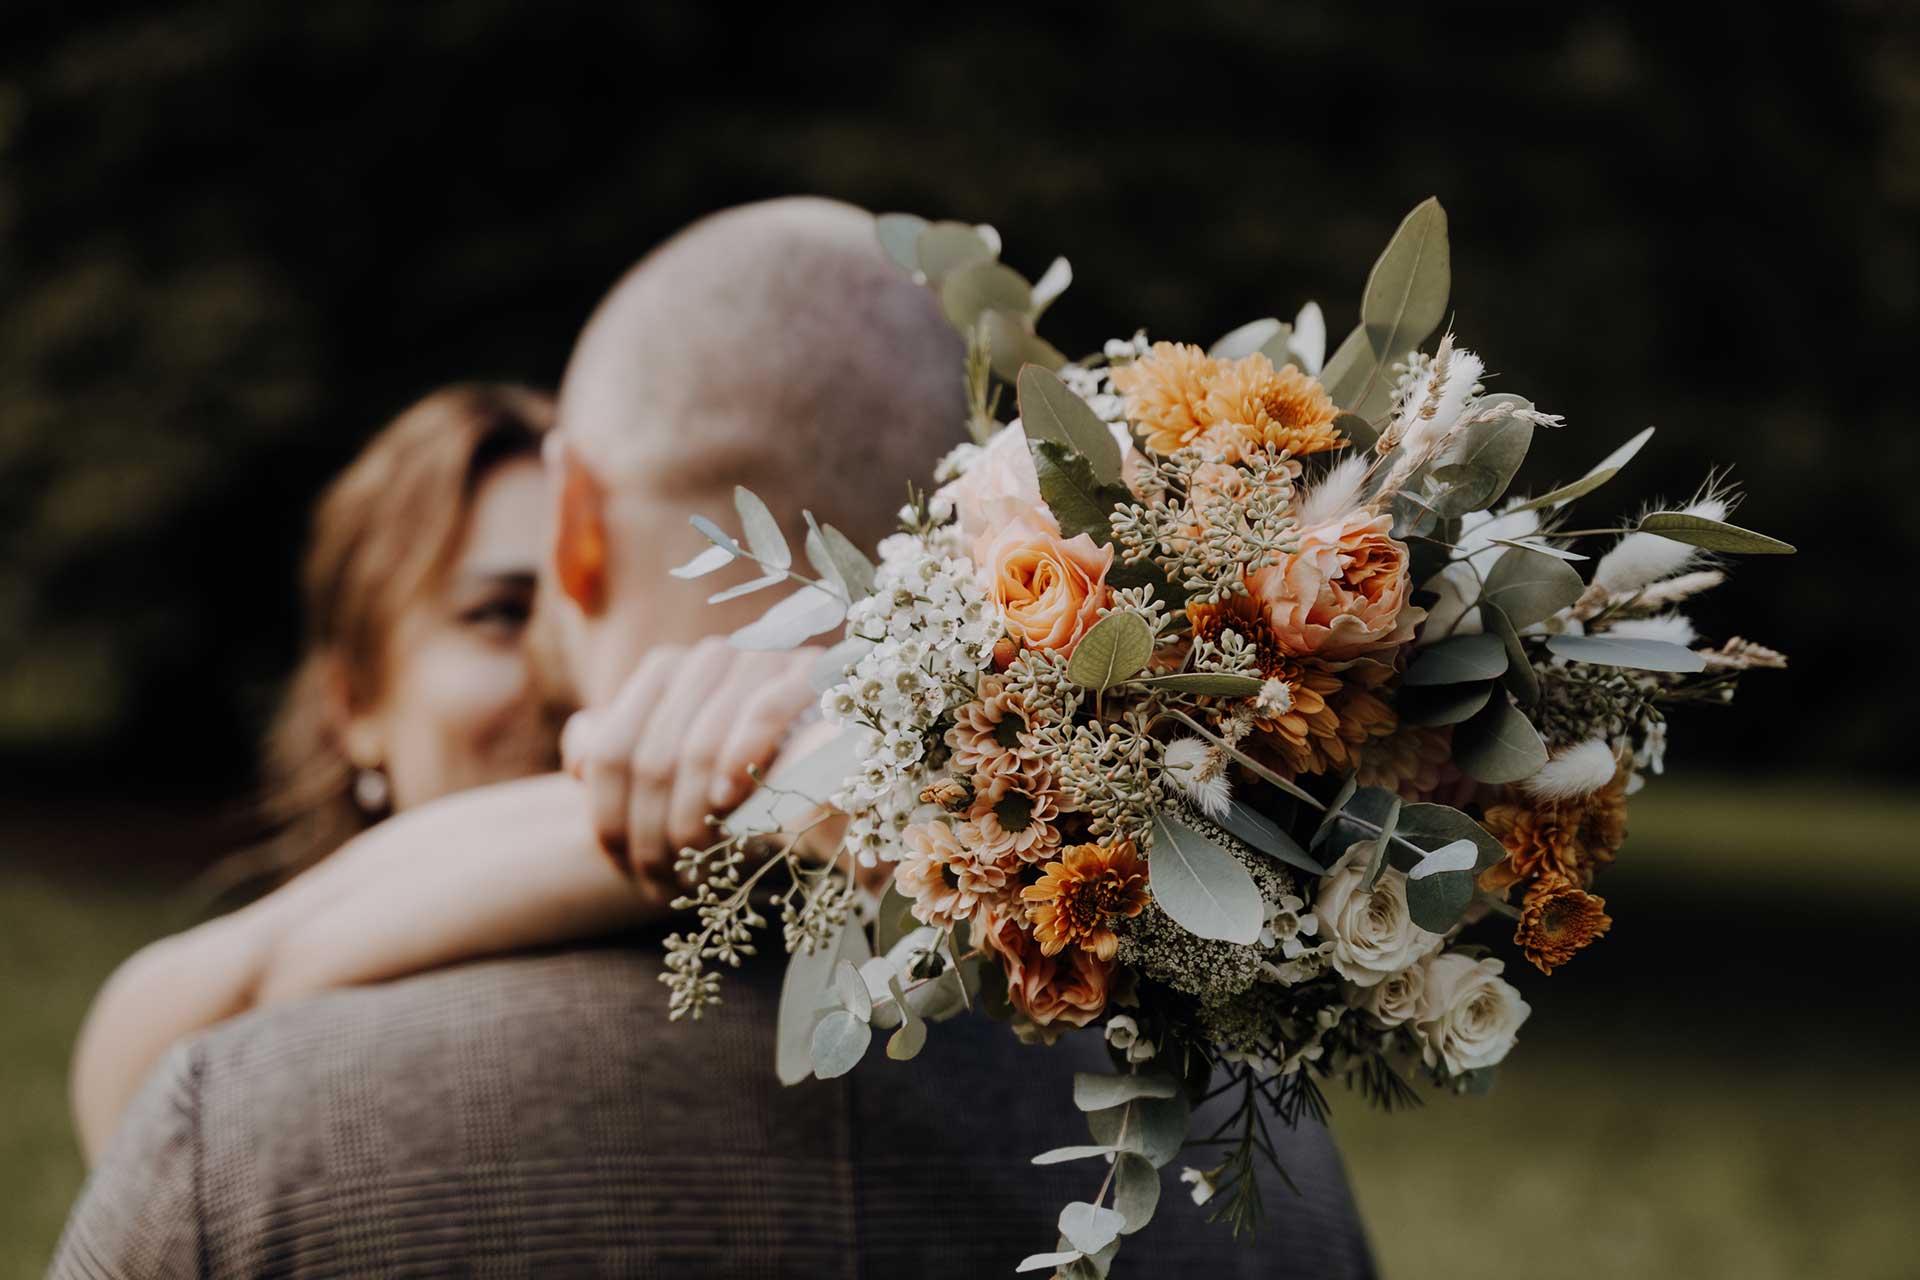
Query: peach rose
{"points": [[1070, 988], [1343, 593], [1049, 588]]}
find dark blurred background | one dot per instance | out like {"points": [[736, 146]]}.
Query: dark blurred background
{"points": [[236, 237]]}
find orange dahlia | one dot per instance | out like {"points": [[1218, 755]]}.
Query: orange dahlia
{"points": [[1076, 899], [1250, 405], [1558, 920], [1331, 709], [1412, 761], [1166, 394], [1540, 841]]}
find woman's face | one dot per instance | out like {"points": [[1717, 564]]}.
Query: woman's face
{"points": [[462, 707]]}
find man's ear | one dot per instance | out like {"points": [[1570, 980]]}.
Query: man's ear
{"points": [[580, 534]]}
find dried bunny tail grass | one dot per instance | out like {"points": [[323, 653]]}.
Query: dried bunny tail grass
{"points": [[1337, 492], [1576, 771], [1672, 628], [1674, 590], [1641, 560], [1199, 769], [1744, 655]]}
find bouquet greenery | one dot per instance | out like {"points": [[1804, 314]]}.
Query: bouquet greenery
{"points": [[1209, 703]]}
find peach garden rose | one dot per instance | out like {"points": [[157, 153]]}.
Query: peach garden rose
{"points": [[1050, 589], [1342, 593]]}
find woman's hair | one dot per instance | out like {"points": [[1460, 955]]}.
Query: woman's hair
{"points": [[383, 531]]}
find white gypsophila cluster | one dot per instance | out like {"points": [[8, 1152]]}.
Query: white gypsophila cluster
{"points": [[932, 629]]}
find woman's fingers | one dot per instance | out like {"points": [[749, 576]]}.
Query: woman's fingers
{"points": [[609, 751], [761, 727], [694, 772], [689, 699]]}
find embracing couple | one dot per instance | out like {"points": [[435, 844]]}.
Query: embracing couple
{"points": [[443, 1048]]}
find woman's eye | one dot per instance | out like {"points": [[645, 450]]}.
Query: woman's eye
{"points": [[500, 616]]}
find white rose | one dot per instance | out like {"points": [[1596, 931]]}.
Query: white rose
{"points": [[1468, 1016], [1372, 934], [1395, 1000], [999, 483]]}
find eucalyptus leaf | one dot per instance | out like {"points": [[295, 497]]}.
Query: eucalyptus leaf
{"points": [[907, 1042], [1540, 549], [899, 235], [1253, 829], [1349, 369], [1604, 470], [747, 588], [1461, 855], [983, 286], [1406, 298], [1206, 684], [1413, 515], [1378, 846], [852, 990], [717, 536], [1278, 349], [1050, 411], [1136, 1190], [1627, 651], [1359, 433], [1520, 678], [1436, 902], [1331, 818], [1156, 1128], [762, 531], [1088, 1227], [1201, 886], [1530, 588], [839, 1042], [1095, 1092], [1500, 744], [1115, 648], [1491, 450], [1060, 1155], [1049, 1261], [1712, 535], [1440, 704], [1458, 660], [945, 247], [893, 919], [793, 621], [705, 563], [803, 990], [1052, 283], [838, 560], [1438, 826], [1247, 339], [1012, 345]]}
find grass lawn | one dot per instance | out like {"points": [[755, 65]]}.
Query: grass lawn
{"points": [[1625, 1139]]}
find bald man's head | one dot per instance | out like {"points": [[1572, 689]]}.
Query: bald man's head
{"points": [[771, 345], [774, 346]]}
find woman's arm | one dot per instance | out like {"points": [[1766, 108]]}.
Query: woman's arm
{"points": [[485, 872]]}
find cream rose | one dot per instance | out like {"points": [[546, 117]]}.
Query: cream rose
{"points": [[1372, 934], [1469, 1016], [1050, 589], [1342, 593], [1394, 1000]]}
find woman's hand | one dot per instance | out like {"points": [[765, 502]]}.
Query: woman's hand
{"points": [[677, 744]]}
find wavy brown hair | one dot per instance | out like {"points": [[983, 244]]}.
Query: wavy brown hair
{"points": [[384, 530]]}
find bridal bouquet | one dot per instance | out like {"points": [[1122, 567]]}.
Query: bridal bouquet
{"points": [[1207, 706]]}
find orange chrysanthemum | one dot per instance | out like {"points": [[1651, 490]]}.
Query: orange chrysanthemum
{"points": [[1076, 900], [1559, 919], [1166, 394], [1412, 761], [1563, 841], [1250, 405], [1333, 710]]}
